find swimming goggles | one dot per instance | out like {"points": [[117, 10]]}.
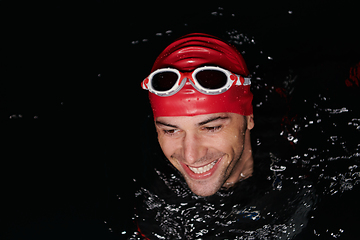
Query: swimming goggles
{"points": [[209, 80]]}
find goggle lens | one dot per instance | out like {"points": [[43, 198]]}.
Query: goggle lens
{"points": [[211, 79], [164, 81]]}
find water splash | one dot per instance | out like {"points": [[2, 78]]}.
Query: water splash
{"points": [[182, 214], [322, 162]]}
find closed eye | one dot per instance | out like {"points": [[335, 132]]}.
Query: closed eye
{"points": [[213, 129], [170, 131]]}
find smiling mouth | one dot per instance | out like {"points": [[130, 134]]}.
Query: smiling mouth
{"points": [[203, 169], [203, 172]]}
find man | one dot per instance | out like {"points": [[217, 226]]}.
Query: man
{"points": [[202, 109], [201, 101]]}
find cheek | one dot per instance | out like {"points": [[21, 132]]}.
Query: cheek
{"points": [[238, 142], [167, 146], [229, 142]]}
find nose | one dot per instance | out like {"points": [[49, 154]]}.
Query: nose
{"points": [[193, 150]]}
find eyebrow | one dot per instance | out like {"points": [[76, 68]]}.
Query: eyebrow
{"points": [[199, 124], [211, 120], [165, 124]]}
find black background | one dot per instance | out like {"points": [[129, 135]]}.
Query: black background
{"points": [[72, 110]]}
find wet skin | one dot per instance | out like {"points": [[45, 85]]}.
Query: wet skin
{"points": [[211, 151]]}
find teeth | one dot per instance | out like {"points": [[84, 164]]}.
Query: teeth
{"points": [[204, 168]]}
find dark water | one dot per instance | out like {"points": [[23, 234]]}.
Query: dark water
{"points": [[306, 153], [67, 174]]}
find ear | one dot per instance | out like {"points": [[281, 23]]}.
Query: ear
{"points": [[250, 121]]}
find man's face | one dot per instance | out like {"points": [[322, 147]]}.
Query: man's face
{"points": [[206, 149]]}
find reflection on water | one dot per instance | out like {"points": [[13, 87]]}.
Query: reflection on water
{"points": [[306, 154]]}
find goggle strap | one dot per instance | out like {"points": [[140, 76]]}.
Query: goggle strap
{"points": [[246, 81], [144, 84]]}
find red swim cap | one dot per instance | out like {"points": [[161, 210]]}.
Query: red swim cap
{"points": [[188, 53]]}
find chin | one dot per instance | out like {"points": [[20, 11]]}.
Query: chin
{"points": [[203, 192], [204, 188]]}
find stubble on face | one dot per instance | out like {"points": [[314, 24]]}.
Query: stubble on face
{"points": [[224, 149]]}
